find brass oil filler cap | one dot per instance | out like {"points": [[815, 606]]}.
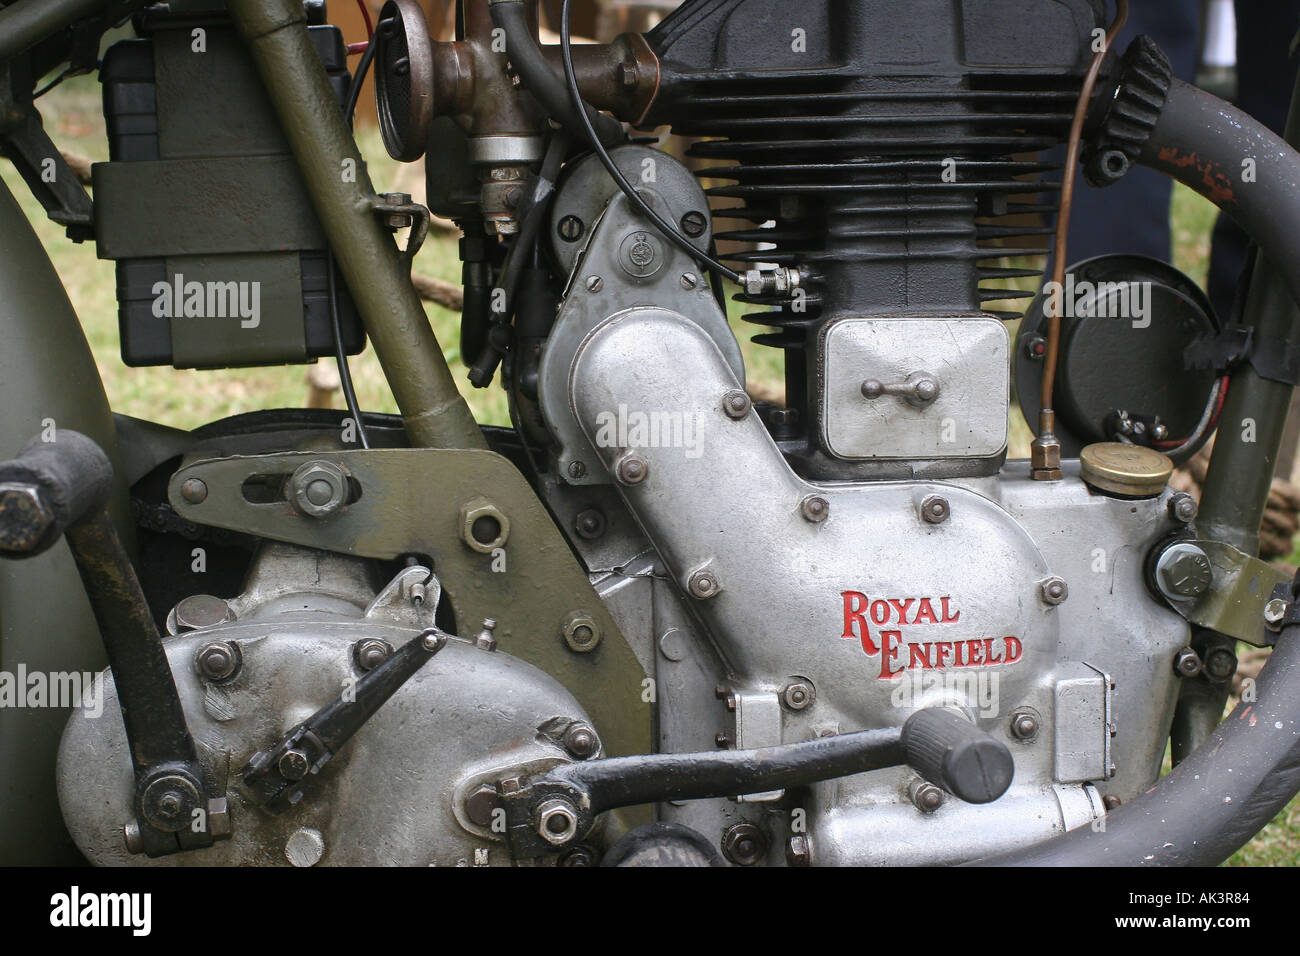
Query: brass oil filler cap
{"points": [[1133, 471]]}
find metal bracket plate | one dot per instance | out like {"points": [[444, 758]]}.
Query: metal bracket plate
{"points": [[1234, 603], [411, 501]]}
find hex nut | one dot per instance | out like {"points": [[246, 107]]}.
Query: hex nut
{"points": [[815, 508], [736, 403], [581, 632], [293, 765], [631, 469], [925, 796], [798, 695], [1024, 725], [1054, 590], [1183, 507], [369, 652], [318, 489], [25, 519], [744, 844], [557, 822], [218, 661], [483, 526], [1275, 612], [703, 584], [580, 741], [1187, 663], [935, 509]]}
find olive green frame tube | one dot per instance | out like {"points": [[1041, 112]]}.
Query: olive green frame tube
{"points": [[30, 21], [433, 411]]}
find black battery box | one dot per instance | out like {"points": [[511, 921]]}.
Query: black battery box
{"points": [[221, 260]]}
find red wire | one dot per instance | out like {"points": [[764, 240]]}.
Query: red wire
{"points": [[1214, 417], [355, 48]]}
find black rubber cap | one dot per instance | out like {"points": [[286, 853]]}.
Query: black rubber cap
{"points": [[947, 749]]}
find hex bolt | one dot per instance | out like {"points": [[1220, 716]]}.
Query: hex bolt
{"points": [[798, 695], [935, 509], [1183, 508], [594, 283], [590, 524], [486, 640], [1024, 725], [1187, 663], [689, 281], [217, 660], [744, 844], [483, 526], [1183, 571], [305, 847], [369, 652], [1275, 612], [631, 469], [293, 765], [571, 228], [481, 804], [200, 610], [815, 508], [25, 518], [581, 632], [194, 490], [736, 403], [581, 741], [925, 796], [694, 223], [1220, 664], [1054, 590], [703, 584], [557, 822], [797, 851], [318, 489]]}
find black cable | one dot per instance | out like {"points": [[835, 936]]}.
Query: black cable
{"points": [[669, 231], [340, 353], [52, 84]]}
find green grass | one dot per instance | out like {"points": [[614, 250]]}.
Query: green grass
{"points": [[187, 399]]}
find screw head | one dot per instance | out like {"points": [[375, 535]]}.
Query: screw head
{"points": [[293, 765], [194, 490], [370, 652], [1054, 590], [581, 632], [935, 509], [1183, 571], [631, 469], [925, 796], [217, 660], [815, 508], [1024, 726], [581, 741], [432, 640], [1183, 508], [798, 695], [570, 228], [689, 280], [1187, 663], [694, 223], [594, 283], [736, 404], [1220, 664], [744, 844], [1274, 612], [576, 469], [703, 584], [590, 524]]}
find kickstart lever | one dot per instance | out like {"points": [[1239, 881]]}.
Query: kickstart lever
{"points": [[279, 775]]}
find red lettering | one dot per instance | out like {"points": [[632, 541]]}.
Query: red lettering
{"points": [[889, 643], [943, 609], [855, 616], [901, 607], [883, 617], [974, 653], [1014, 649], [919, 653], [943, 649], [925, 613], [988, 652]]}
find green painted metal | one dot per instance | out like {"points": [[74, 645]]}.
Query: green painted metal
{"points": [[48, 376], [433, 411]]}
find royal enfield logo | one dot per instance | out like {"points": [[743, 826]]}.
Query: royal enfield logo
{"points": [[889, 616]]}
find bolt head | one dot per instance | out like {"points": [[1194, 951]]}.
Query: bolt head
{"points": [[689, 280], [815, 508], [594, 283], [571, 228], [798, 695], [1183, 571], [576, 469], [480, 805], [1220, 664], [1024, 726], [217, 660], [1275, 611], [25, 519], [631, 469], [1187, 663], [581, 741], [293, 765], [305, 847], [557, 822], [581, 632], [736, 404], [694, 223], [703, 584], [1183, 508], [194, 490], [1054, 590], [925, 796], [369, 652], [590, 524], [319, 489], [744, 844], [935, 509]]}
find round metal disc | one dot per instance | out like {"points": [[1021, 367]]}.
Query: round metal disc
{"points": [[1133, 471], [403, 79]]}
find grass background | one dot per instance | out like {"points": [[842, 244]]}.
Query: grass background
{"points": [[187, 399]]}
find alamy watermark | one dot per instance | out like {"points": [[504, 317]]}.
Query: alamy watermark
{"points": [[1075, 299], [22, 689], [630, 428], [209, 300]]}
